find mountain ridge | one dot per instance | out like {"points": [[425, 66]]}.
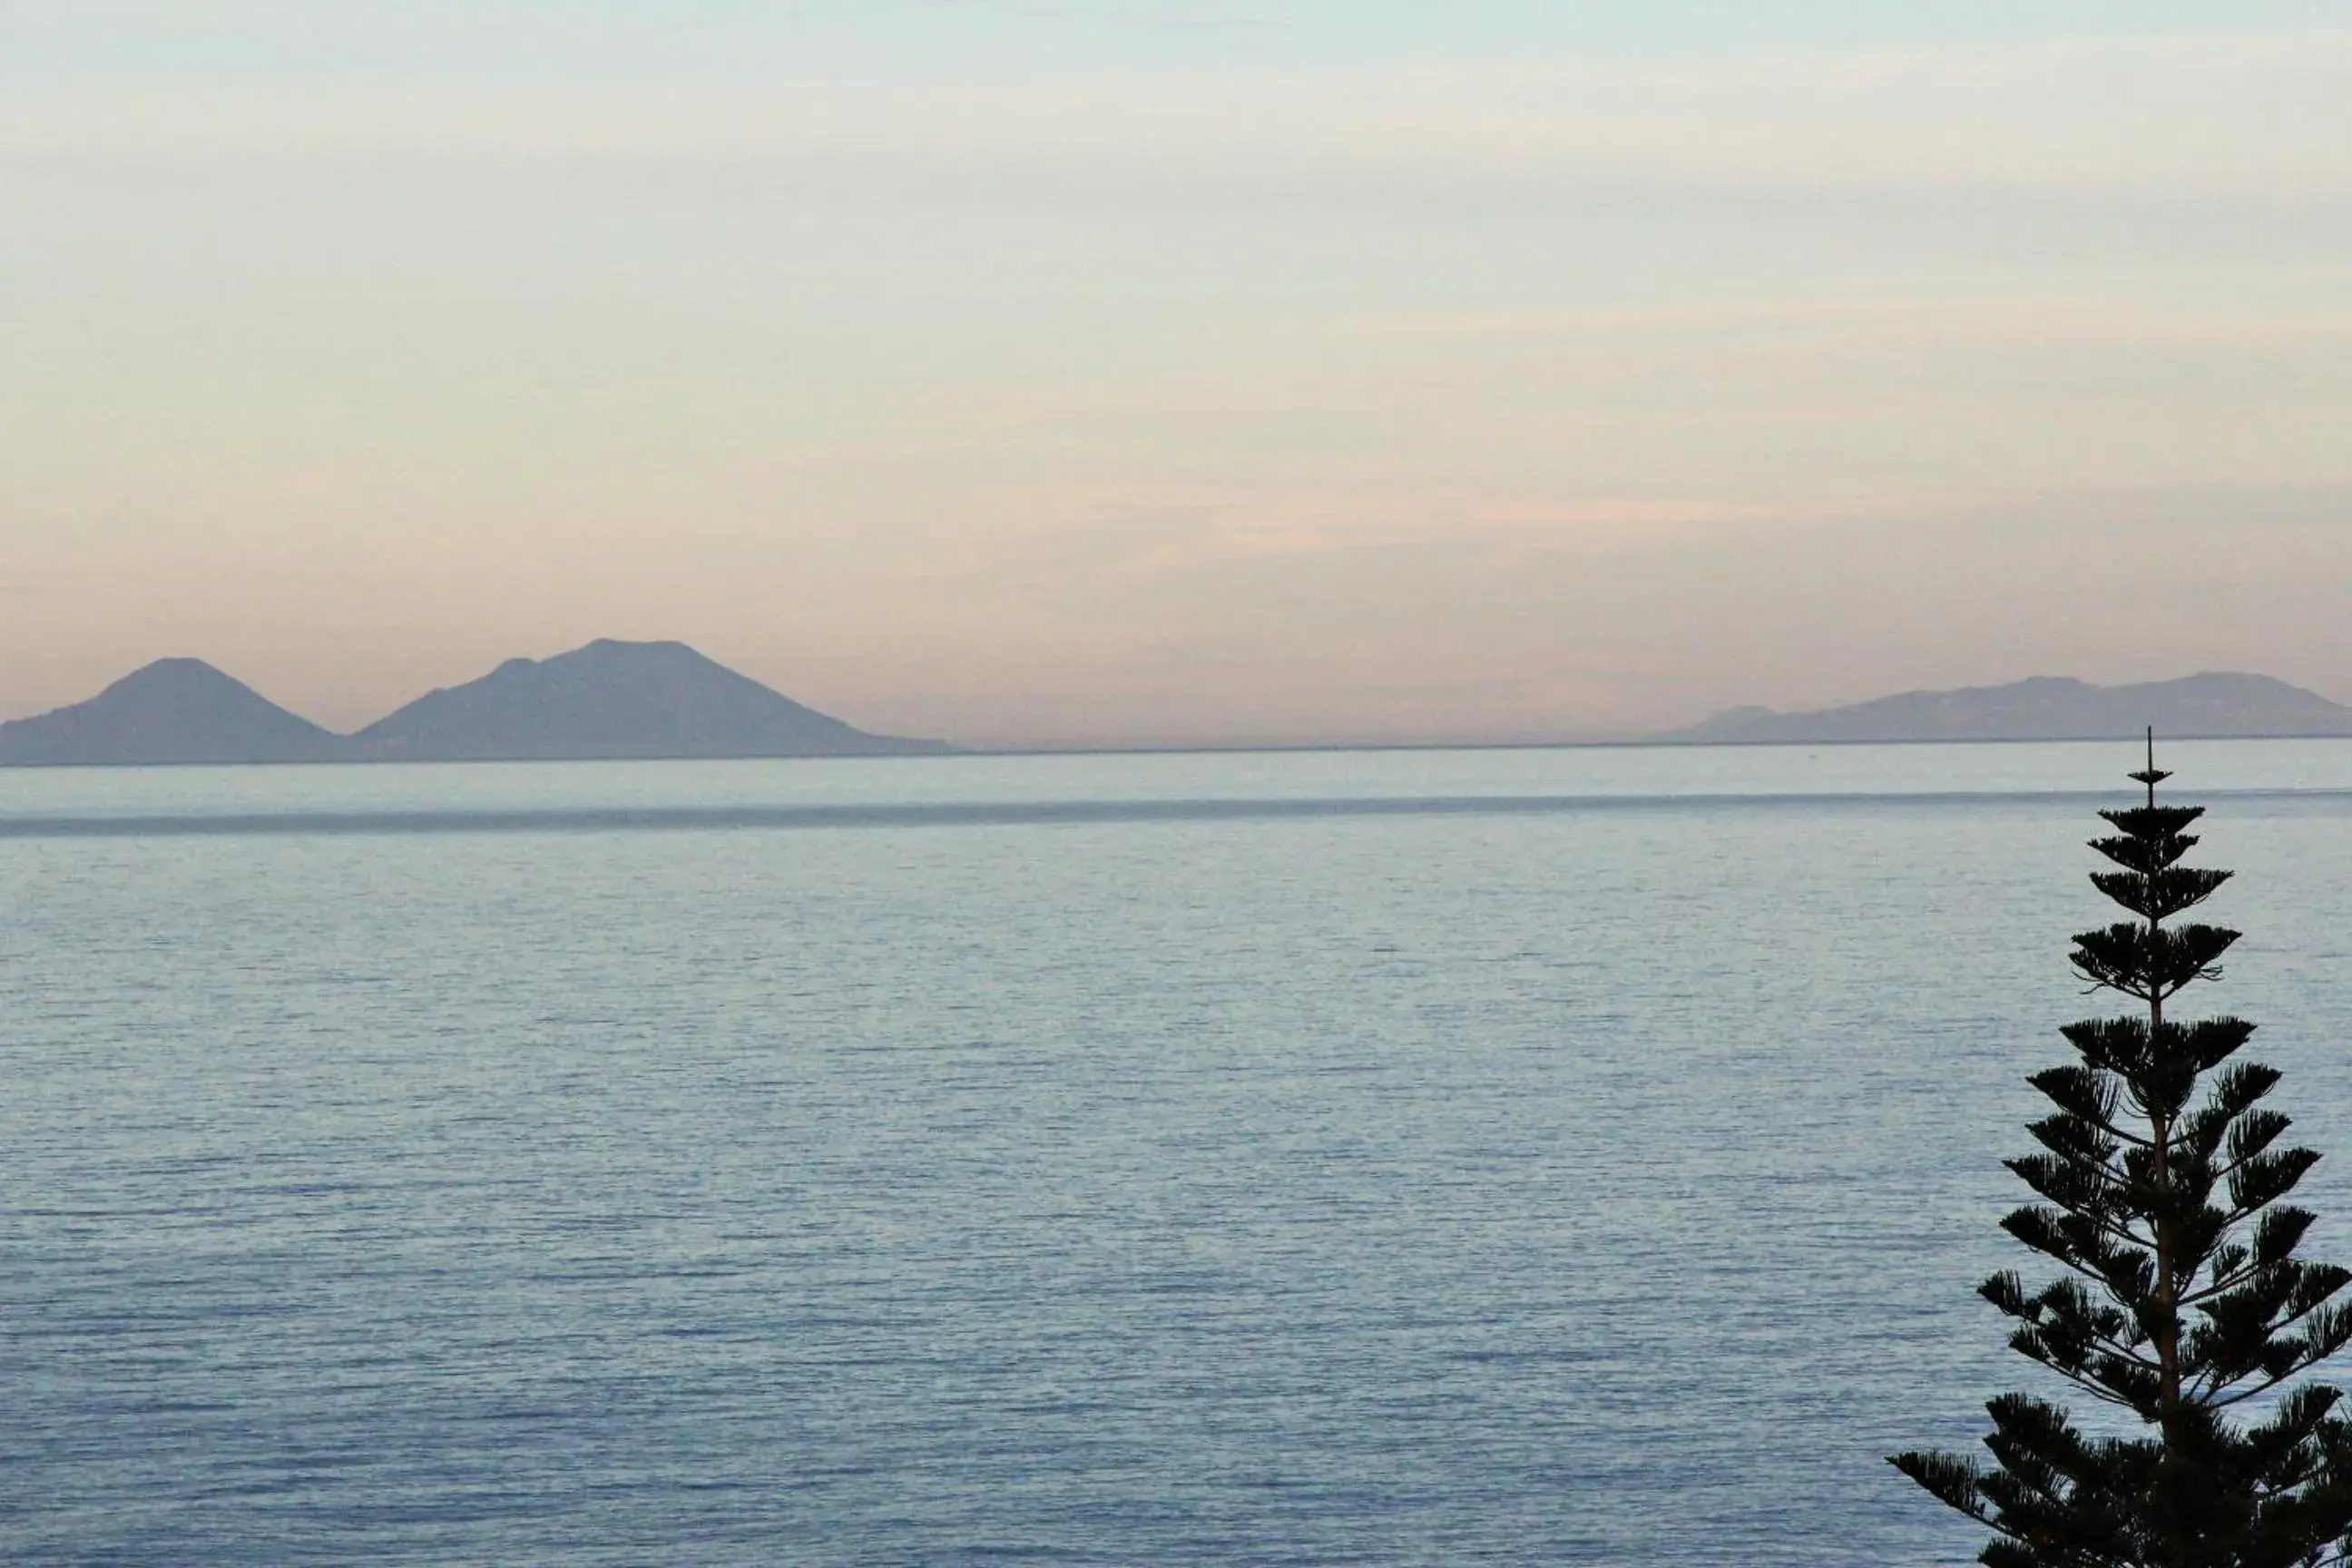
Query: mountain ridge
{"points": [[2211, 705], [619, 700], [608, 701], [611, 700]]}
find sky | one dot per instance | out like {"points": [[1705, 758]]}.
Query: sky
{"points": [[1117, 372]]}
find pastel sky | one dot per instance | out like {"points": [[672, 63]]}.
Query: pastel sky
{"points": [[1178, 369]]}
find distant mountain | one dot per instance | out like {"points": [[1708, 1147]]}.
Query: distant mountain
{"points": [[2048, 708], [174, 711], [607, 701], [615, 700]]}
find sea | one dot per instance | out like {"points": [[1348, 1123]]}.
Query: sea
{"points": [[1546, 1156]]}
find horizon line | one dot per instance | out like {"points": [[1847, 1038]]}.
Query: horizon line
{"points": [[1674, 735], [950, 753]]}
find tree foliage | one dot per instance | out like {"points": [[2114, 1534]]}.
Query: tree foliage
{"points": [[2161, 1175]]}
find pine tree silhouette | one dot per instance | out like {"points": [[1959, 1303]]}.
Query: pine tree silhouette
{"points": [[2160, 1176]]}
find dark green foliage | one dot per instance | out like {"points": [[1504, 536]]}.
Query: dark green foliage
{"points": [[2160, 1174]]}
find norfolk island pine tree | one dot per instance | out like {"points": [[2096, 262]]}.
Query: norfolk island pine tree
{"points": [[2183, 1306]]}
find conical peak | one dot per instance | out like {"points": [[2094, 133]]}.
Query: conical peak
{"points": [[172, 710], [175, 672], [609, 700], [606, 699]]}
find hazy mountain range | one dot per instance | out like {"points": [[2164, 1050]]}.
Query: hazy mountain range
{"points": [[608, 700], [2049, 708], [620, 699]]}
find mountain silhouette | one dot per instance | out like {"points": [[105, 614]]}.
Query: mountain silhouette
{"points": [[607, 701], [615, 700], [172, 710], [2048, 708]]}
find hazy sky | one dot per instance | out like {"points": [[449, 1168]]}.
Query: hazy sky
{"points": [[1178, 369]]}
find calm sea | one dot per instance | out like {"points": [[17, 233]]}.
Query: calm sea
{"points": [[1511, 1157]]}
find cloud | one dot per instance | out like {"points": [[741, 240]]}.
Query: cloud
{"points": [[2242, 117], [1075, 396], [2115, 315]]}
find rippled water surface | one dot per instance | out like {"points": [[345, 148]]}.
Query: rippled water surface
{"points": [[1452, 1157]]}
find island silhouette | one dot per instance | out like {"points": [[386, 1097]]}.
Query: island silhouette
{"points": [[2215, 705], [172, 710], [608, 701], [614, 700]]}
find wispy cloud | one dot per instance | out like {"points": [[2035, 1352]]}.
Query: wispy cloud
{"points": [[2255, 116], [2118, 314], [1024, 361]]}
